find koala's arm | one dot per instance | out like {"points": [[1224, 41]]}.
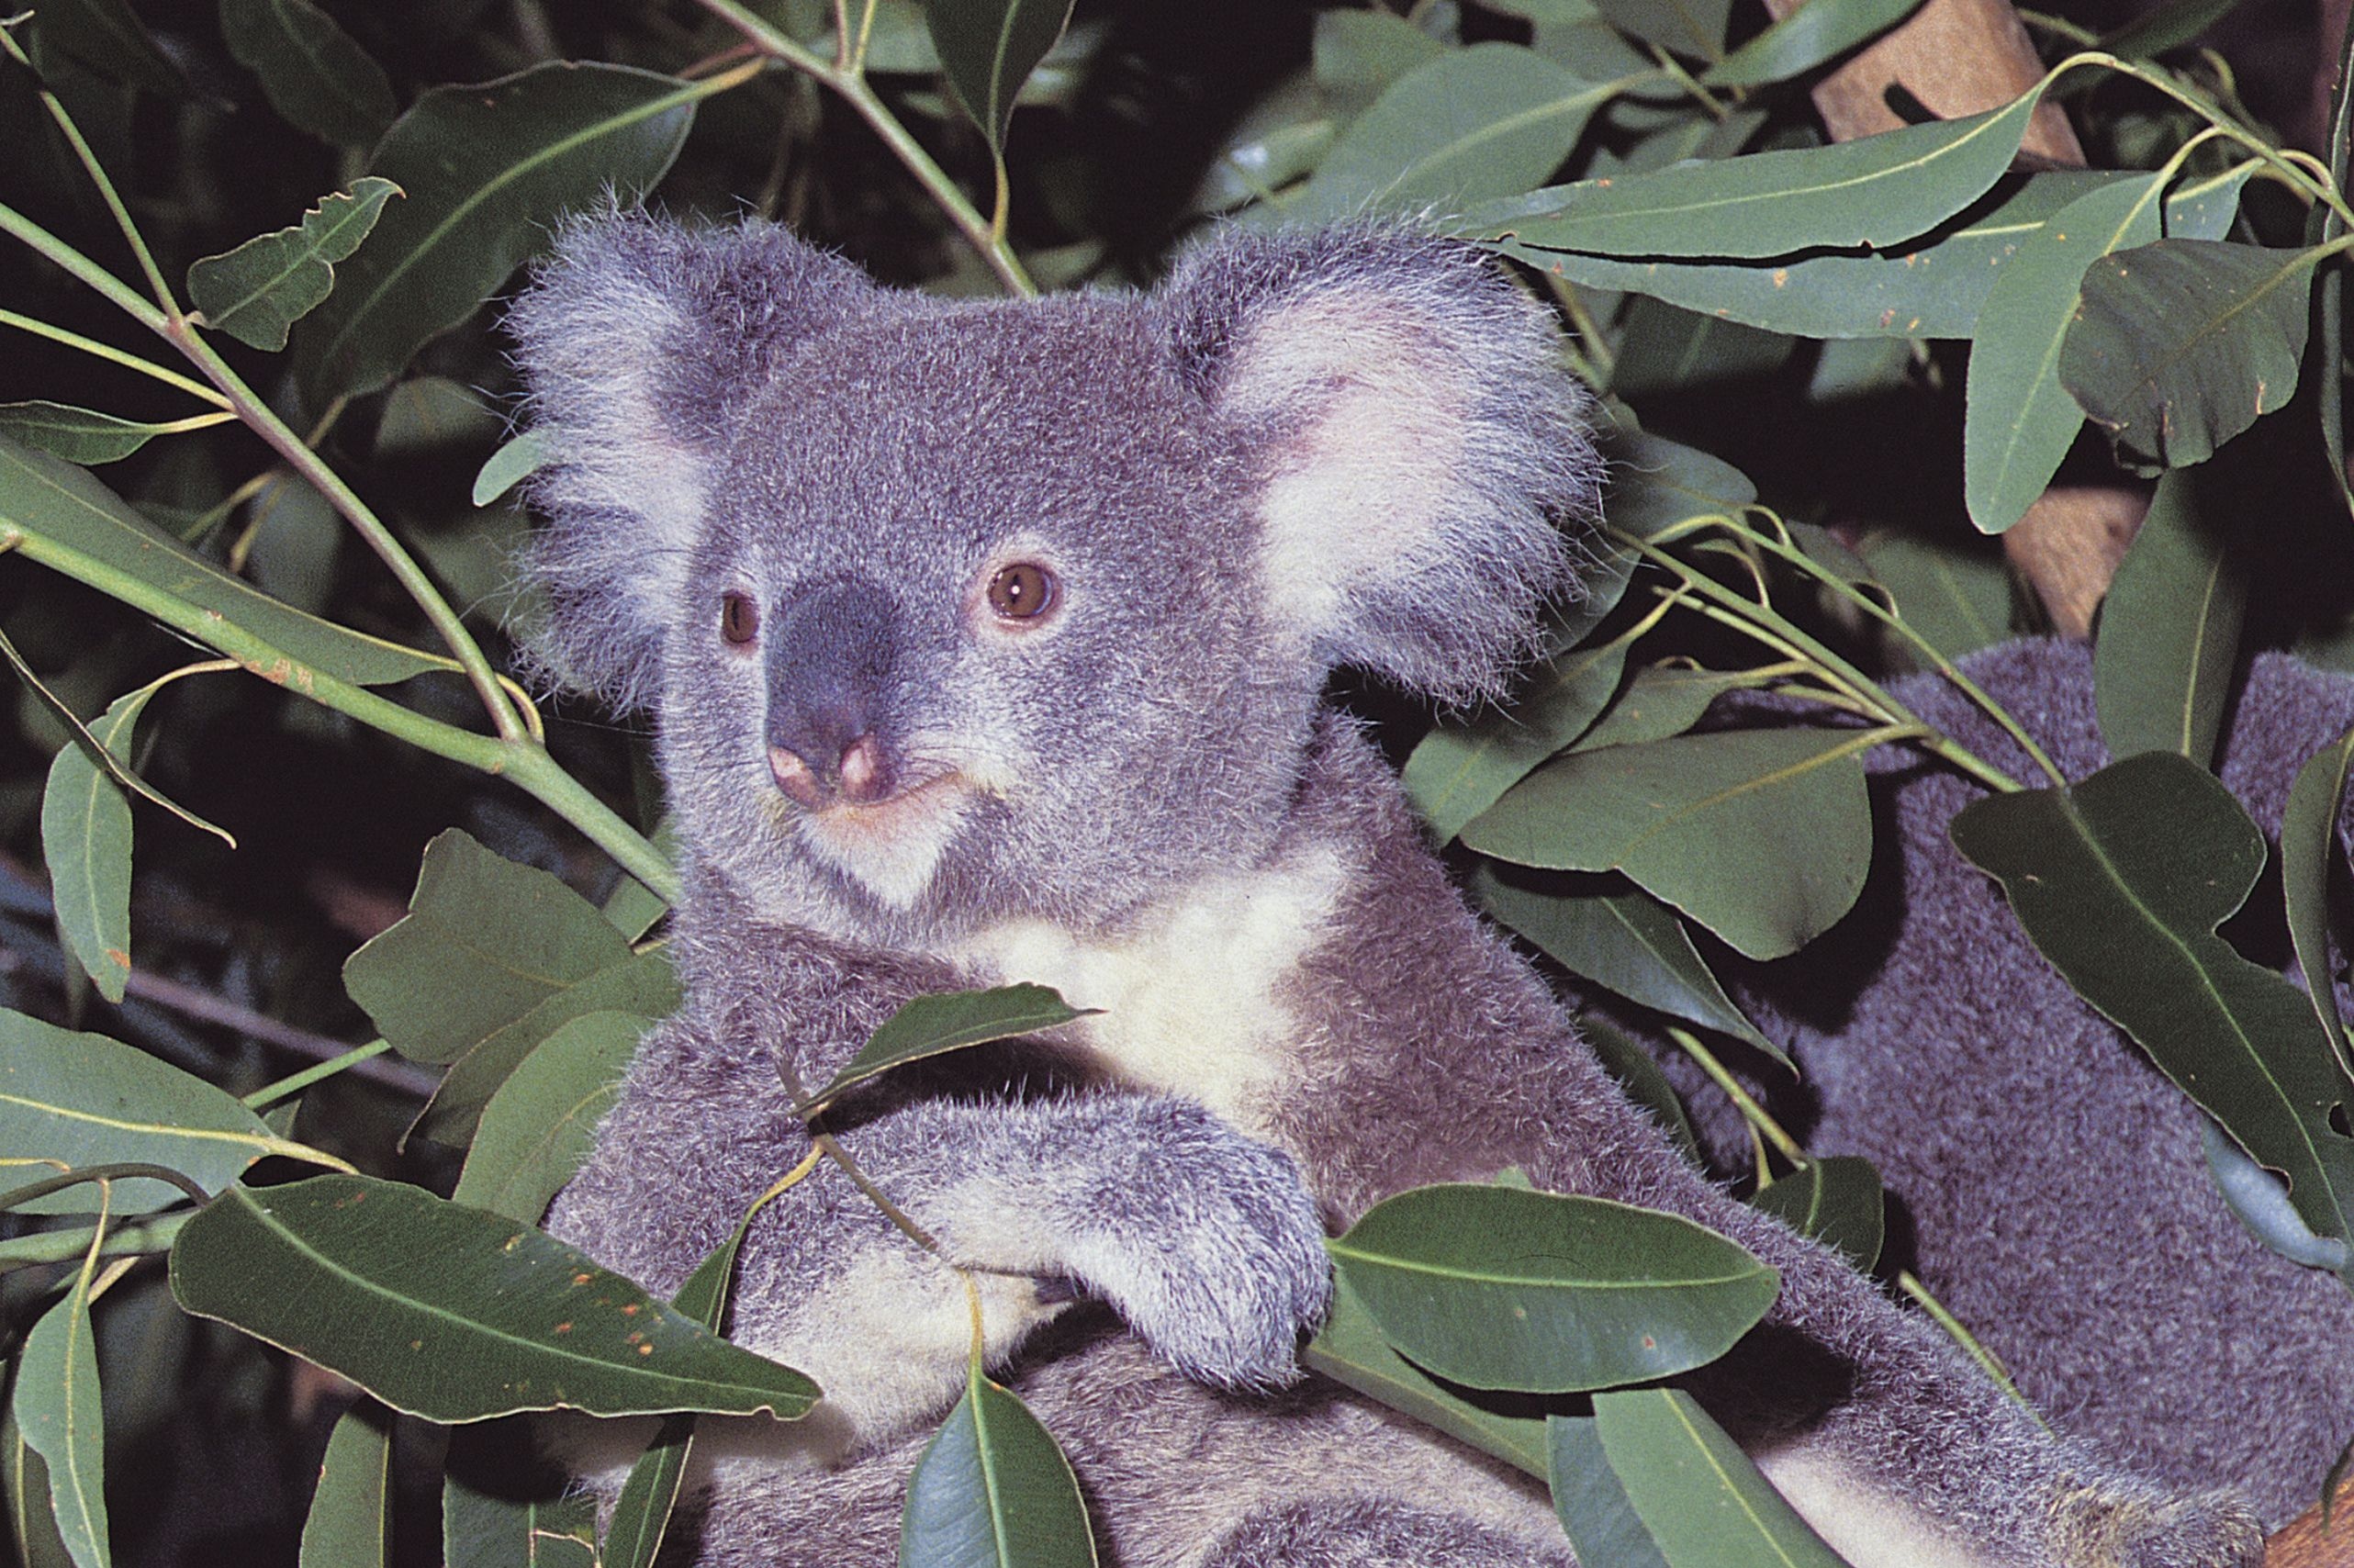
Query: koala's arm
{"points": [[1207, 1243]]}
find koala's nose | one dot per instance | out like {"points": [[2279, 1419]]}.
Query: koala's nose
{"points": [[831, 654]]}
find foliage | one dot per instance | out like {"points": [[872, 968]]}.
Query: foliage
{"points": [[341, 191]]}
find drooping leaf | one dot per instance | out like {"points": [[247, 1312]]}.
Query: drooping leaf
{"points": [[2181, 345], [2205, 209], [1280, 139], [2165, 26], [539, 1125], [2120, 882], [350, 1522], [295, 537], [1459, 770], [81, 1100], [1761, 836], [2258, 1201], [1623, 940], [2169, 632], [313, 75], [258, 291], [934, 1026], [1836, 1200], [988, 48], [455, 1314], [1692, 27], [513, 463], [1499, 1287], [78, 435], [107, 37], [1657, 484], [1356, 55], [1350, 1351], [488, 169], [1805, 38], [1664, 348], [1871, 191], [58, 515], [1955, 594], [1467, 126], [1661, 702], [2019, 421], [1639, 1074], [1589, 1500], [2310, 853], [62, 1419], [502, 1510], [994, 1491], [86, 842], [23, 1495], [1697, 1494]]}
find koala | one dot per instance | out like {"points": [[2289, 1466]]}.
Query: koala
{"points": [[987, 643], [2054, 1187]]}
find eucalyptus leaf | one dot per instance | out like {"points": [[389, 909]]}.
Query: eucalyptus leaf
{"points": [[934, 1026], [2163, 667], [988, 48], [78, 435], [25, 1497], [62, 1419], [2310, 853], [488, 170], [488, 1526], [1500, 1287], [1687, 27], [1639, 1074], [455, 1314], [1661, 702], [1954, 593], [1697, 1494], [79, 1100], [2165, 27], [994, 1491], [2181, 345], [1761, 836], [1594, 1513], [350, 1522], [86, 843], [1835, 1199], [1816, 32], [2019, 420], [1457, 772], [539, 1126], [1356, 54], [2258, 1201], [258, 291], [107, 37], [56, 514], [1623, 940], [314, 75], [1657, 484], [516, 461], [2121, 881]]}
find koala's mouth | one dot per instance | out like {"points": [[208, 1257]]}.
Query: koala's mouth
{"points": [[890, 846]]}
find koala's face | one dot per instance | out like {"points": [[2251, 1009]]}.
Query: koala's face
{"points": [[973, 630]]}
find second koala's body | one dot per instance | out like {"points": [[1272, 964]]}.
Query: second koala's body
{"points": [[987, 645]]}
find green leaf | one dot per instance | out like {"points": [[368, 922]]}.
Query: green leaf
{"points": [[81, 1099], [258, 291], [2309, 853], [513, 463], [1663, 701], [1815, 32], [60, 515], [107, 37], [1499, 1287], [1357, 54], [86, 843], [1657, 484], [1665, 349], [502, 1510], [2169, 632], [1954, 593], [1836, 1200], [1470, 124], [1592, 1505], [454, 1314], [988, 48], [80, 435], [488, 170], [539, 1125], [1687, 27], [314, 75], [1698, 1495], [25, 1496], [2019, 421], [350, 1522], [485, 942], [2258, 1201], [2181, 345], [2120, 882], [2165, 26], [1624, 940], [1870, 192], [1761, 836], [62, 1416], [2205, 209], [1350, 1351], [1459, 770], [934, 1026], [1639, 1074], [994, 1491]]}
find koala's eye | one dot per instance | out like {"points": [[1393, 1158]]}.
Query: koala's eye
{"points": [[739, 618], [1021, 592]]}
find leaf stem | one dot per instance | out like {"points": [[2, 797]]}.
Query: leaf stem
{"points": [[850, 85], [1751, 1111], [1991, 1364], [130, 1236], [114, 355], [97, 174], [296, 1082]]}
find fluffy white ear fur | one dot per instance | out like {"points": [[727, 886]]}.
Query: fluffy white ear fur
{"points": [[1421, 446]]}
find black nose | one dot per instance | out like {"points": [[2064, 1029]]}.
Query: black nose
{"points": [[832, 651]]}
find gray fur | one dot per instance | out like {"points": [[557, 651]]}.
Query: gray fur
{"points": [[1304, 450]]}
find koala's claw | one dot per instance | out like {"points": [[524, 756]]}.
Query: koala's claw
{"points": [[2094, 1528]]}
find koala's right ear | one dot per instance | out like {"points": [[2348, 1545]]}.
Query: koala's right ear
{"points": [[639, 340]]}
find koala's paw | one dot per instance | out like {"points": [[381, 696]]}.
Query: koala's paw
{"points": [[1220, 1267], [2095, 1529]]}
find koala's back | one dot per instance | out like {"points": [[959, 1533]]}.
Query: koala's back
{"points": [[2057, 1196]]}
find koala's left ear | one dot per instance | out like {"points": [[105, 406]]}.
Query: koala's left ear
{"points": [[1418, 444]]}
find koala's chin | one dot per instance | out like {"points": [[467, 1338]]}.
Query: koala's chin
{"points": [[1119, 543]]}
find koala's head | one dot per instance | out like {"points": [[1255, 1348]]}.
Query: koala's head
{"points": [[951, 612]]}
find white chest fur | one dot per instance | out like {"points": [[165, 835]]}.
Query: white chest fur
{"points": [[1189, 993]]}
